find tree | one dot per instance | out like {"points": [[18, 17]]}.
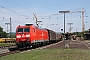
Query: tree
{"points": [[2, 33]]}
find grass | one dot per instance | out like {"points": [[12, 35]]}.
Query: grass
{"points": [[6, 44], [50, 54]]}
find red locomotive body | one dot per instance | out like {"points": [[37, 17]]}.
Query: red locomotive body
{"points": [[29, 35]]}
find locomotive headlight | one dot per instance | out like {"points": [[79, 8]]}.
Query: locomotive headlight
{"points": [[27, 35], [18, 36]]}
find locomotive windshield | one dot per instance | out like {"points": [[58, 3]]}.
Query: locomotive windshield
{"points": [[20, 29], [26, 29], [23, 29]]}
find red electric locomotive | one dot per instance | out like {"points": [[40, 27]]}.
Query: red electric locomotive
{"points": [[30, 35]]}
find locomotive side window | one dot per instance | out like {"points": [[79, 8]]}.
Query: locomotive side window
{"points": [[26, 29], [20, 29]]}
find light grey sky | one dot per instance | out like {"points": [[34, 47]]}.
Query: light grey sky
{"points": [[19, 10]]}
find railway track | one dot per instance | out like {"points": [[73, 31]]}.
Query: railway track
{"points": [[13, 50], [7, 46], [8, 53], [55, 45], [7, 50]]}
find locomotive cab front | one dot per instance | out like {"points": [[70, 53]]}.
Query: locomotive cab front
{"points": [[23, 36]]}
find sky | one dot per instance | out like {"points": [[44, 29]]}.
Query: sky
{"points": [[47, 11]]}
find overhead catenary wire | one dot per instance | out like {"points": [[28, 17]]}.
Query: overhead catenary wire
{"points": [[6, 19], [13, 11], [24, 7], [6, 12], [18, 4], [26, 16], [10, 13]]}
